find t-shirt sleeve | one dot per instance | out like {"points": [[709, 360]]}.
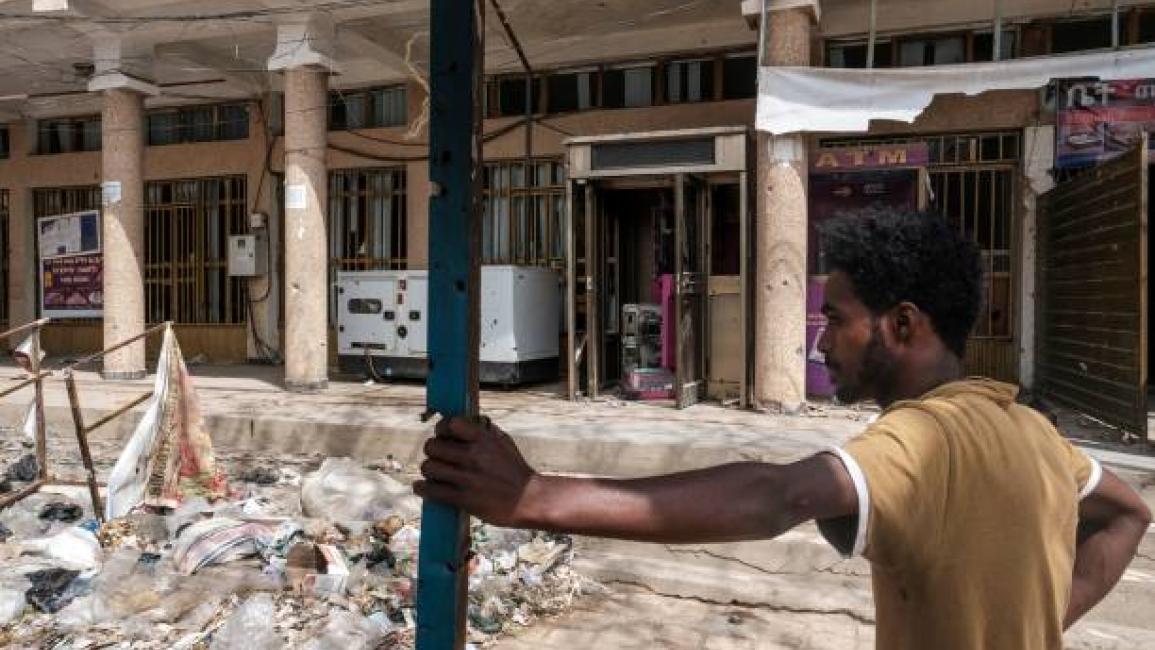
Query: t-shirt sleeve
{"points": [[899, 467], [1086, 470]]}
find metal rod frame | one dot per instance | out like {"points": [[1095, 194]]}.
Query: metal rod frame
{"points": [[105, 352], [35, 379], [455, 211], [83, 430], [82, 442], [17, 331]]}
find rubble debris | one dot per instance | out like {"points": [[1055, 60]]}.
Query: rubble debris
{"points": [[343, 490], [347, 631], [260, 476], [317, 569], [75, 548], [52, 589], [61, 511], [248, 628], [26, 469], [5, 533], [217, 541], [12, 605], [258, 571]]}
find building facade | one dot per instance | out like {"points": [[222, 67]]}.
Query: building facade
{"points": [[627, 154]]}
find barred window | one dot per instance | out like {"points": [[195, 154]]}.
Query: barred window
{"points": [[524, 220], [368, 109], [367, 222], [198, 124], [367, 228], [68, 134], [51, 201], [186, 230]]}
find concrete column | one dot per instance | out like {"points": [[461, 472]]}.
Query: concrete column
{"points": [[22, 254], [122, 175], [263, 343], [781, 238], [1039, 145], [306, 255]]}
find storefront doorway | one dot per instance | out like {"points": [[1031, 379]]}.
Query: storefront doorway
{"points": [[645, 281]]}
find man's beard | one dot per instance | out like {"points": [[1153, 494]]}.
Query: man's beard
{"points": [[876, 374]]}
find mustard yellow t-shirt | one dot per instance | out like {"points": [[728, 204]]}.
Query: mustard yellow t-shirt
{"points": [[968, 509]]}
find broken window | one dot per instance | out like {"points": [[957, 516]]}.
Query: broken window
{"points": [[628, 87], [507, 96], [1078, 35], [368, 108], [68, 134], [932, 50], [984, 46], [740, 76], [1146, 26], [853, 55], [570, 91], [689, 81]]}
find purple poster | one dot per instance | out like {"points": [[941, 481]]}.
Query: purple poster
{"points": [[73, 286], [71, 265]]}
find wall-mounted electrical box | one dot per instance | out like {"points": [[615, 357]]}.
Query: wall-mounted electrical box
{"points": [[248, 256]]}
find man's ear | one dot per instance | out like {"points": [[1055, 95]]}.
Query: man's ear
{"points": [[907, 316]]}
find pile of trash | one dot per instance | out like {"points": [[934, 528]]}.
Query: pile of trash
{"points": [[186, 559], [327, 560]]}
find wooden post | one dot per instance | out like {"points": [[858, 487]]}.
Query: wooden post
{"points": [[41, 426], [455, 145], [82, 441]]}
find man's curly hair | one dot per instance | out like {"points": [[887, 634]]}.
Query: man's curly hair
{"points": [[893, 256]]}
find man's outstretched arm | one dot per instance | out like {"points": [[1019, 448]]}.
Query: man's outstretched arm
{"points": [[478, 468], [1112, 522]]}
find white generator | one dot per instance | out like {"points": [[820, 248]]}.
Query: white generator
{"points": [[382, 320]]}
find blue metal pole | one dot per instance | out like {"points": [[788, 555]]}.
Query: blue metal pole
{"points": [[455, 71]]}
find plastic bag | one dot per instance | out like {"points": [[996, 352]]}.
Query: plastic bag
{"points": [[170, 455], [250, 627], [75, 548], [343, 490]]}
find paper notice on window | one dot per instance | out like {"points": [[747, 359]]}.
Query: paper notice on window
{"points": [[296, 197], [110, 193]]}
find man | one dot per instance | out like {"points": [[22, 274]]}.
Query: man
{"points": [[985, 529]]}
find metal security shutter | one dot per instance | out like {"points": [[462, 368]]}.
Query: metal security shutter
{"points": [[1092, 292]]}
